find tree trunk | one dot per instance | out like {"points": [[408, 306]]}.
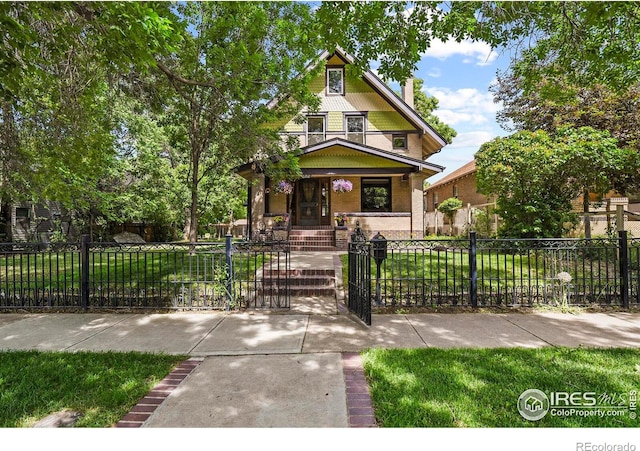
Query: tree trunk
{"points": [[187, 225], [587, 219], [193, 211]]}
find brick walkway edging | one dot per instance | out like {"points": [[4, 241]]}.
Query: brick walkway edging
{"points": [[359, 406], [147, 405]]}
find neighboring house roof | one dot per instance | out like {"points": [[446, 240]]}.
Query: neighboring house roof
{"points": [[394, 158], [464, 171]]}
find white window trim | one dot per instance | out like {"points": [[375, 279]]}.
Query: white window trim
{"points": [[363, 116], [341, 71], [324, 127]]}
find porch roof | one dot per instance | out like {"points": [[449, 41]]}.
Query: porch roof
{"points": [[340, 154]]}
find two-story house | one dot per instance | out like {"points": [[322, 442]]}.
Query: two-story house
{"points": [[363, 156]]}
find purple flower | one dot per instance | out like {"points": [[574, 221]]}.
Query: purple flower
{"points": [[284, 187], [342, 186]]}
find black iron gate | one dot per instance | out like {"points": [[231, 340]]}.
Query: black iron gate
{"points": [[359, 300]]}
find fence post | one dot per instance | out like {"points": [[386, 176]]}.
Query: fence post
{"points": [[620, 217], [229, 269], [624, 267], [473, 270], [84, 271]]}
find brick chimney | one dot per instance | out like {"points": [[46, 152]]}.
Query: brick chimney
{"points": [[407, 92]]}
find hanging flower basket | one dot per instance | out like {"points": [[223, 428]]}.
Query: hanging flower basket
{"points": [[342, 186], [284, 187]]}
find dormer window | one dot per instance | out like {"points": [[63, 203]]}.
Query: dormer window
{"points": [[315, 129], [335, 81]]}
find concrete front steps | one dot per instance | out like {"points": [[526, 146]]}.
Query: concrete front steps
{"points": [[301, 282], [310, 240]]}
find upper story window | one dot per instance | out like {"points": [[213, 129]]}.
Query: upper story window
{"points": [[315, 129], [354, 126], [399, 141], [335, 81], [455, 191]]}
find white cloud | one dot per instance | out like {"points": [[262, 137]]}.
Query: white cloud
{"points": [[479, 53], [466, 99], [435, 72], [472, 139], [453, 118], [465, 106]]}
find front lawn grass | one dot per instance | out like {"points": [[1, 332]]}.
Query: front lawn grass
{"points": [[137, 268], [480, 387], [102, 386]]}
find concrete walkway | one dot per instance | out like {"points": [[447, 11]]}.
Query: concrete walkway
{"points": [[299, 369], [270, 370], [219, 334]]}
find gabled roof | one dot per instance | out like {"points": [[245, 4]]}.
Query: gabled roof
{"points": [[385, 91], [463, 171], [418, 165]]}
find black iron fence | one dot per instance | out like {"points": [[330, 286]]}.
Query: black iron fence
{"points": [[116, 276], [499, 272]]}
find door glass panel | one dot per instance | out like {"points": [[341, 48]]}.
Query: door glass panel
{"points": [[324, 211], [309, 202]]}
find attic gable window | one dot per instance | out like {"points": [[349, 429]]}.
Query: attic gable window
{"points": [[335, 81]]}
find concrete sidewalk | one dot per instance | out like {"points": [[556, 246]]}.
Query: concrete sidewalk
{"points": [[216, 333], [288, 370]]}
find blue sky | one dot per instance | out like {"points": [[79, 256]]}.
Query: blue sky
{"points": [[459, 76]]}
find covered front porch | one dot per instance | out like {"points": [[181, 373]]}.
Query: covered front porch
{"points": [[345, 181]]}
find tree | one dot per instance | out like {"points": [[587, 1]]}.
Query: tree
{"points": [[591, 42], [235, 60], [449, 207], [528, 182], [555, 104], [59, 66], [554, 107], [536, 176], [596, 164]]}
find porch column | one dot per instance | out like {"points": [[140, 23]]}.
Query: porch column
{"points": [[416, 180], [257, 200]]}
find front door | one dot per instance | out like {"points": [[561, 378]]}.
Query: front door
{"points": [[312, 202]]}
